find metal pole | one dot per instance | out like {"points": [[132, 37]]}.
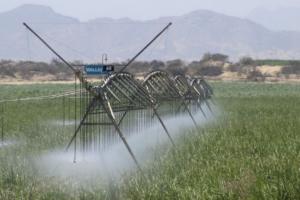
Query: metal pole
{"points": [[140, 52], [155, 112], [104, 58], [110, 116], [64, 114], [2, 122], [49, 47], [81, 123], [75, 142], [171, 82], [163, 125], [76, 72]]}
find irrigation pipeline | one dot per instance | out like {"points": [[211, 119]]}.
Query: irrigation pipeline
{"points": [[130, 106], [122, 106], [36, 98]]}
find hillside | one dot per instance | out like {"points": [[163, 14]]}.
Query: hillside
{"points": [[190, 37]]}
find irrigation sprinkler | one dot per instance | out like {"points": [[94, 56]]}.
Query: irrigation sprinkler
{"points": [[97, 96], [119, 106], [204, 90], [98, 100], [188, 93], [163, 88], [208, 92]]}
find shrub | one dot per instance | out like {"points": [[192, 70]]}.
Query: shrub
{"points": [[210, 70], [157, 65], [234, 68], [292, 68], [176, 67], [255, 76], [214, 57], [246, 61], [139, 67]]}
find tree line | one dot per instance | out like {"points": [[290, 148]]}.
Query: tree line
{"points": [[209, 65]]}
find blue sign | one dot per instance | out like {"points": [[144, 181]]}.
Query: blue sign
{"points": [[98, 69]]}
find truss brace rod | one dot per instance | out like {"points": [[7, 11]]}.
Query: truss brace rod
{"points": [[170, 82], [140, 88], [115, 124], [81, 122], [140, 52], [76, 72], [163, 125], [49, 47]]}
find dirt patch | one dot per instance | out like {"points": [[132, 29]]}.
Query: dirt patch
{"points": [[267, 70]]}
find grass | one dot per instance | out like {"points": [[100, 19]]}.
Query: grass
{"points": [[251, 152]]}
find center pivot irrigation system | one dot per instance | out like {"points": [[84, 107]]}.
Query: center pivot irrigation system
{"points": [[122, 105]]}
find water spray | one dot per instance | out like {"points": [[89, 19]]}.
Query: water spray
{"points": [[111, 112]]}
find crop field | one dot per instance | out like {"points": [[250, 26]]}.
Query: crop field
{"points": [[249, 151]]}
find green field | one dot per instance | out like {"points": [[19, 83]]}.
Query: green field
{"points": [[276, 62], [250, 152]]}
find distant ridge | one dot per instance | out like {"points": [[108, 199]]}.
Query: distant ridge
{"points": [[191, 36], [34, 14]]}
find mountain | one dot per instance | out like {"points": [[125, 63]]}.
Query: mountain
{"points": [[283, 18], [189, 38], [34, 14]]}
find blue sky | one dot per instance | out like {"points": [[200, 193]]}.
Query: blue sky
{"points": [[141, 9]]}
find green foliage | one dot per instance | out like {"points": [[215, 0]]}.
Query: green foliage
{"points": [[246, 61], [250, 152], [292, 68], [274, 62], [27, 69], [175, 67], [210, 70], [214, 57], [289, 66]]}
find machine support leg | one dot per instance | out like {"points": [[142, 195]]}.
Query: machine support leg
{"points": [[163, 125], [81, 123]]}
